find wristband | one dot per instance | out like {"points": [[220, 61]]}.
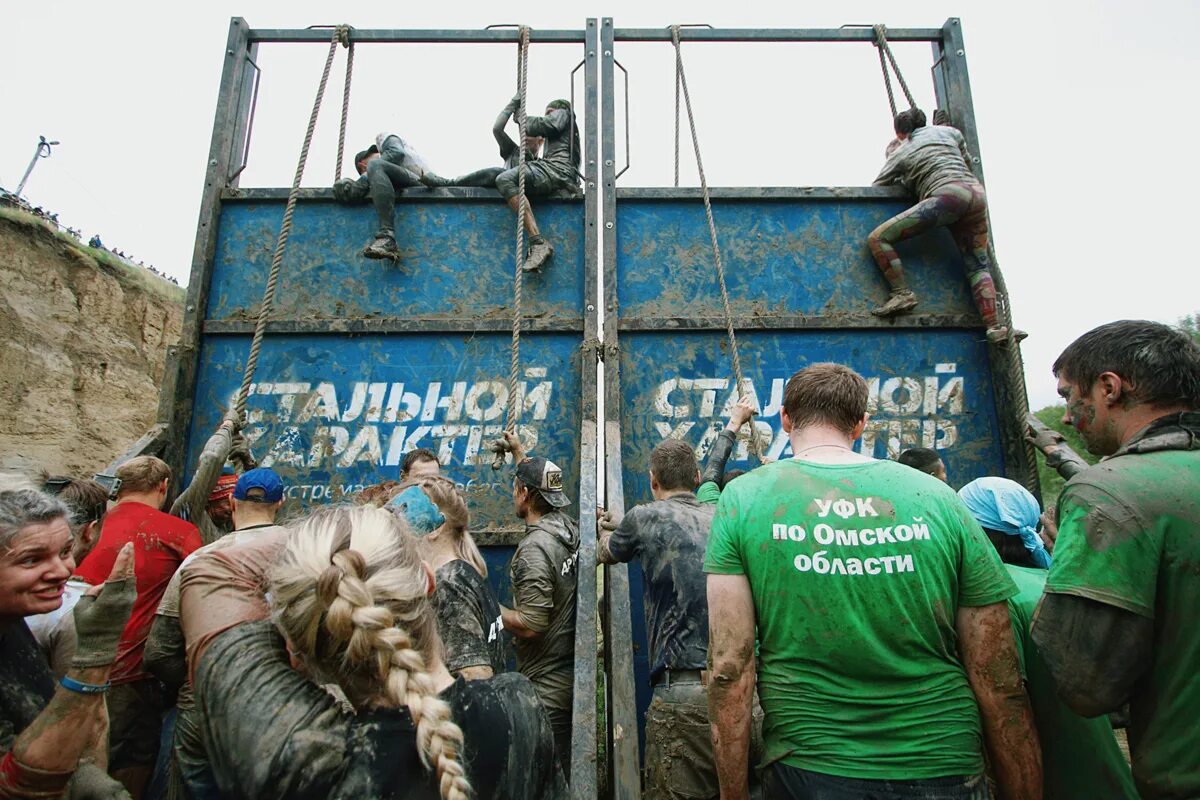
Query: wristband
{"points": [[72, 685]]}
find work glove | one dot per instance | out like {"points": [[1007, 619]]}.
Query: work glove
{"points": [[101, 614], [348, 190], [514, 104], [92, 783], [1051, 443]]}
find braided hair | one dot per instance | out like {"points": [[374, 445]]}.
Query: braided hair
{"points": [[349, 592]]}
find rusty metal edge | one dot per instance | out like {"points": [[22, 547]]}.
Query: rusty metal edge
{"points": [[864, 321], [366, 325]]}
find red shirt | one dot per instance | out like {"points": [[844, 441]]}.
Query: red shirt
{"points": [[161, 542]]}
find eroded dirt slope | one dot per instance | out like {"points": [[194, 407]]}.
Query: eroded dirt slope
{"points": [[82, 348]]}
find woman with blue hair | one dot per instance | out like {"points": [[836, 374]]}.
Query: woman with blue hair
{"points": [[1080, 757]]}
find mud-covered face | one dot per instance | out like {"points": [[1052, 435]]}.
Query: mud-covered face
{"points": [[1088, 412], [34, 569]]}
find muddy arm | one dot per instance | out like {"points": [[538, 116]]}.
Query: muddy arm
{"points": [[731, 679], [989, 655]]}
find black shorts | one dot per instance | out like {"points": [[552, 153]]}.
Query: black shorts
{"points": [[134, 723]]}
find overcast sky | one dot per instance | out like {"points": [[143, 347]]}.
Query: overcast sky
{"points": [[1086, 115]]}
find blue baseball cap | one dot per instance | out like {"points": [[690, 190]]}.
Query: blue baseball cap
{"points": [[259, 485]]}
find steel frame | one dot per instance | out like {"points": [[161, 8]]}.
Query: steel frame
{"points": [[231, 126], [953, 94]]}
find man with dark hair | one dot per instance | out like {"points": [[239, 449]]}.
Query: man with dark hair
{"points": [[160, 544], [669, 536], [556, 171], [880, 608], [544, 575], [934, 164], [925, 460], [386, 166], [257, 498], [419, 463], [1117, 622]]}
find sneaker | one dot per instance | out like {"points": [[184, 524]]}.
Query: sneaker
{"points": [[998, 334], [901, 301], [540, 251], [435, 181], [384, 247]]}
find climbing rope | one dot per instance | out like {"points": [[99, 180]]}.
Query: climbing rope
{"points": [[514, 374], [340, 34], [681, 78], [349, 45], [886, 57], [677, 125]]}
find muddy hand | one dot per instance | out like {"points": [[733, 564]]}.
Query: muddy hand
{"points": [[101, 614], [743, 411], [605, 519], [1040, 436]]}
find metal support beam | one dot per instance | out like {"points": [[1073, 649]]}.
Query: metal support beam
{"points": [[583, 739], [625, 772], [358, 325], [847, 34], [229, 125], [433, 36]]}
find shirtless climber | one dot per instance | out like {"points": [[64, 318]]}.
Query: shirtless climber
{"points": [[384, 167], [933, 162], [486, 177]]}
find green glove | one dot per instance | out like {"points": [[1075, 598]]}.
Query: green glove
{"points": [[100, 619]]}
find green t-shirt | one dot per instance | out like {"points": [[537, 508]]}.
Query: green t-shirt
{"points": [[1080, 756], [1129, 536], [708, 493], [857, 572]]}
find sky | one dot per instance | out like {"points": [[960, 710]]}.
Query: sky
{"points": [[1083, 110]]}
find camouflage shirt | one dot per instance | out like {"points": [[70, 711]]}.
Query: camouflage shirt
{"points": [[272, 733], [468, 617], [543, 572], [669, 537], [930, 158]]}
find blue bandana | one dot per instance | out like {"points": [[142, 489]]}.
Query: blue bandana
{"points": [[418, 510], [1006, 506]]}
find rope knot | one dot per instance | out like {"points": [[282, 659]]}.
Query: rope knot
{"points": [[343, 34]]}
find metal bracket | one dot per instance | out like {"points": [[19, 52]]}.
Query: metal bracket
{"points": [[617, 64], [250, 120]]}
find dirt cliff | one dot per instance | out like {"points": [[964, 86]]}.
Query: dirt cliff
{"points": [[83, 341]]}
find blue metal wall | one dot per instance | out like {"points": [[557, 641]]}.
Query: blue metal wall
{"points": [[930, 386], [333, 411]]}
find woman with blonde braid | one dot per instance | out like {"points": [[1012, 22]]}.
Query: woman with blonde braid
{"points": [[468, 613], [349, 594]]}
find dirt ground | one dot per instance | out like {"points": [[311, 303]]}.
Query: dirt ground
{"points": [[82, 348]]}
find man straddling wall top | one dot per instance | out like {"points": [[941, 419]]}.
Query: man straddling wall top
{"points": [[384, 167], [544, 576], [881, 614], [934, 164], [1118, 621], [669, 536]]}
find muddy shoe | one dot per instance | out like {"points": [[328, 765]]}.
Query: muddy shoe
{"points": [[384, 247], [999, 335], [435, 181], [540, 251], [901, 301]]}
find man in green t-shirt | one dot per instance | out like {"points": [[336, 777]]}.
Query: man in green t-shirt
{"points": [[881, 613], [1118, 622]]}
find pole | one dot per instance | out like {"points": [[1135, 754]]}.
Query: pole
{"points": [[42, 151]]}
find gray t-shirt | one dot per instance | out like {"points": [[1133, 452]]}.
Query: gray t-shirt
{"points": [[468, 617], [544, 574], [930, 158], [669, 537]]}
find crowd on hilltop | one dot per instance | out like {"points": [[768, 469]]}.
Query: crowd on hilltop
{"points": [[13, 201], [824, 627]]}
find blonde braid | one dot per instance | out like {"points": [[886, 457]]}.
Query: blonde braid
{"points": [[349, 590]]}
